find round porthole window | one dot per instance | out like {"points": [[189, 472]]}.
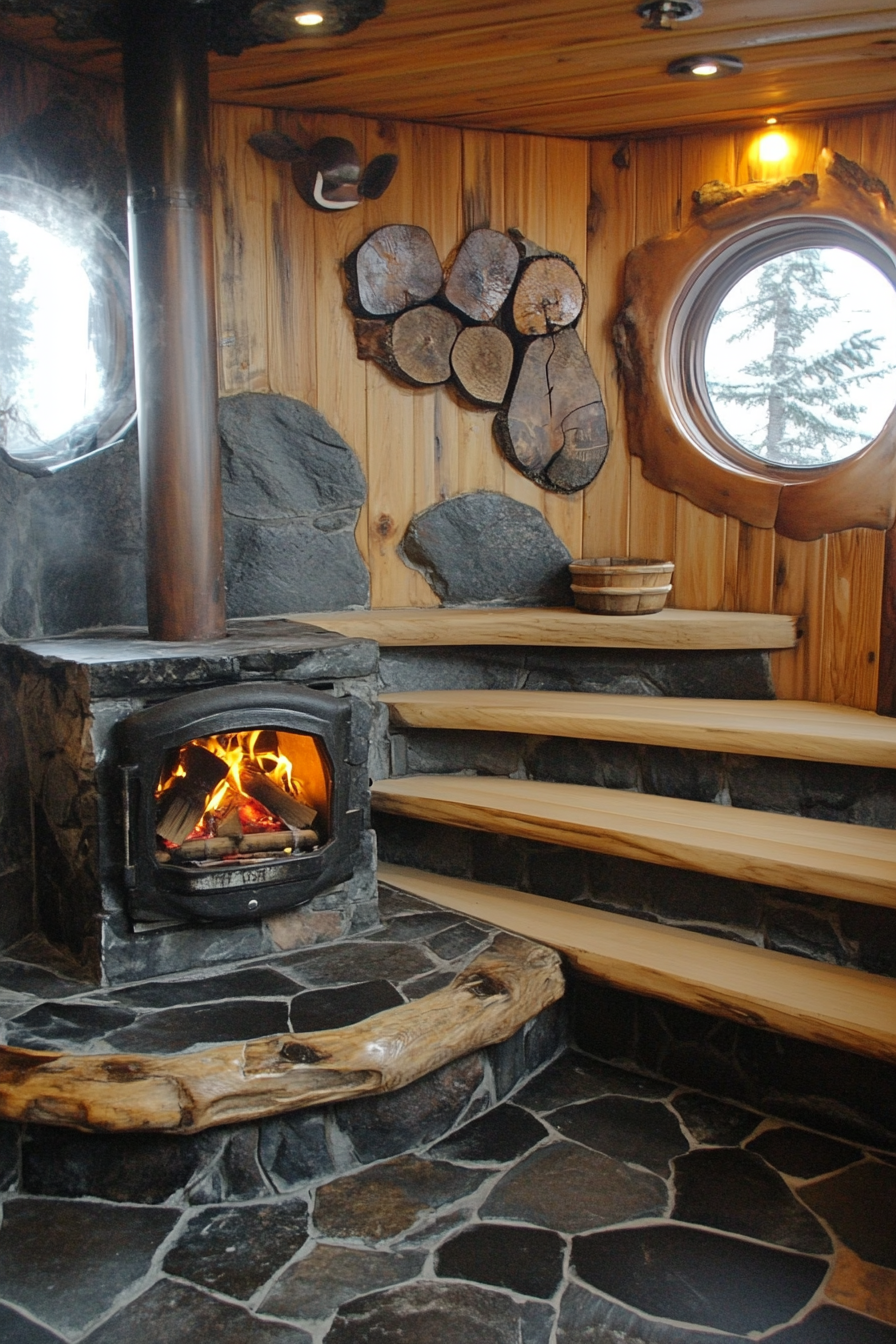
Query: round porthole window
{"points": [[66, 355], [783, 348]]}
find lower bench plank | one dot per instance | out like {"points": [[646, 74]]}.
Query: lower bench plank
{"points": [[831, 1005]]}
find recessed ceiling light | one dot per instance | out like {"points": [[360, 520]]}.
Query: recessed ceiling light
{"points": [[310, 18], [771, 121], [705, 66]]}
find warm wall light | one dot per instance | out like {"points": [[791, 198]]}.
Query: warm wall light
{"points": [[705, 66], [773, 147], [310, 18]]}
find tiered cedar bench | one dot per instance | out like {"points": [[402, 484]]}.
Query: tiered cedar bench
{"points": [[796, 729], [831, 1005], [562, 627]]}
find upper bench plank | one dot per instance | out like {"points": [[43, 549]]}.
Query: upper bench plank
{"points": [[796, 729], [562, 627]]}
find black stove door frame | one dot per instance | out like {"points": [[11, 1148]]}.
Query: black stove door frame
{"points": [[226, 892]]}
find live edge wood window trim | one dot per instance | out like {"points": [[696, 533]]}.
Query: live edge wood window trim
{"points": [[803, 504]]}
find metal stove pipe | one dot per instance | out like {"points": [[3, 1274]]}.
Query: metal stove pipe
{"points": [[172, 279]]}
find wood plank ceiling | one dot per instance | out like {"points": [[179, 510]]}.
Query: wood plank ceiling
{"points": [[583, 68]]}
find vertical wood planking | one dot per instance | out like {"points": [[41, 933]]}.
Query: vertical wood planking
{"points": [[240, 233], [393, 465], [852, 618], [292, 289], [611, 235], [800, 568], [657, 165]]}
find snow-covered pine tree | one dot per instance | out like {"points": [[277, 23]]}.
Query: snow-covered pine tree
{"points": [[809, 399]]}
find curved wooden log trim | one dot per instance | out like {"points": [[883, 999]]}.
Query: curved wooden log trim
{"points": [[860, 492], [502, 988]]}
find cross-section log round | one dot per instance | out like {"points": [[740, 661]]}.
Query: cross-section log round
{"points": [[481, 274], [396, 268], [416, 347], [549, 295], [482, 362], [555, 429]]}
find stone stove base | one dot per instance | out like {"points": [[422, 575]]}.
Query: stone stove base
{"points": [[62, 865]]}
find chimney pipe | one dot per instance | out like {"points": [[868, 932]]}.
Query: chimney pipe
{"points": [[165, 51]]}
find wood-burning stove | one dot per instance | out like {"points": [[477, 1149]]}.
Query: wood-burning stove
{"points": [[236, 802]]}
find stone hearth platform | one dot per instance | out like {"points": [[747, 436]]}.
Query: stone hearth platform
{"points": [[258, 1038]]}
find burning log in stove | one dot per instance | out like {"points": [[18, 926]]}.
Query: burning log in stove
{"points": [[228, 846], [185, 802]]}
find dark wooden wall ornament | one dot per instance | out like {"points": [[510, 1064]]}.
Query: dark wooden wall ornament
{"points": [[679, 448], [327, 174], [500, 325]]}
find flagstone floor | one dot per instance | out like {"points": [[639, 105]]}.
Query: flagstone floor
{"points": [[593, 1207]]}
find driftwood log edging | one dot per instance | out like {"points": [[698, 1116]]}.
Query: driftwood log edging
{"points": [[505, 986]]}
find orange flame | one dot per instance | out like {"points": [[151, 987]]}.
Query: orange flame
{"points": [[292, 761]]}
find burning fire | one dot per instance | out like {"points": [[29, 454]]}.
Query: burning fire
{"points": [[289, 764]]}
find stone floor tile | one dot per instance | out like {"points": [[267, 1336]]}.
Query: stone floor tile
{"points": [[236, 1249], [859, 1205], [855, 1284], [499, 1136], [174, 1313], [65, 1262], [9, 1155], [738, 1192], [82, 1025], [571, 1189], [638, 1131], [574, 1077], [830, 1325], [394, 902], [23, 978], [313, 1288], [234, 1172], [396, 1122], [253, 982], [713, 1121], [127, 1168], [294, 1148], [346, 963], [698, 1278], [386, 1200], [414, 928], [586, 1318], [527, 1260], [799, 1152], [173, 1029], [440, 1313], [326, 1009], [457, 941], [17, 1329], [427, 984]]}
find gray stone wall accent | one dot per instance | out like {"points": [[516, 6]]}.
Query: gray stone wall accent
{"points": [[292, 492], [489, 550], [71, 545]]}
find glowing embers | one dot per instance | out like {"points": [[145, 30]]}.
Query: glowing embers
{"points": [[242, 797]]}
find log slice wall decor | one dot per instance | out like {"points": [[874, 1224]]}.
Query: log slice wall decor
{"points": [[500, 324], [680, 449]]}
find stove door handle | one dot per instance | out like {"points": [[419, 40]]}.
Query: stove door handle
{"points": [[128, 773]]}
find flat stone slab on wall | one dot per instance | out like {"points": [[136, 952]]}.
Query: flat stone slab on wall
{"points": [[485, 548]]}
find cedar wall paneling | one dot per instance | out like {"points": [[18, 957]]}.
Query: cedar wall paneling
{"points": [[280, 281], [283, 327]]}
